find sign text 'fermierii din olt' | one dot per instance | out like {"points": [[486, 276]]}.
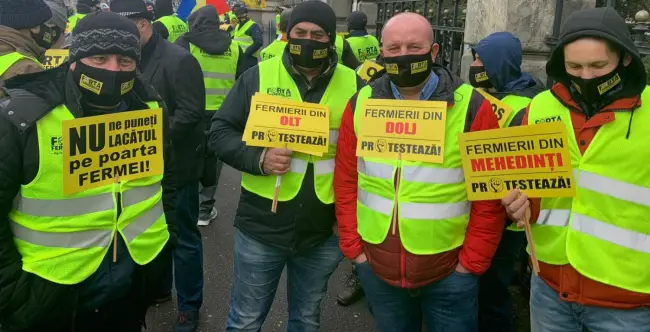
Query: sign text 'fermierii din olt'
{"points": [[534, 159], [276, 122], [402, 129], [104, 149]]}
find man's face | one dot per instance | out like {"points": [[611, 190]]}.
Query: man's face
{"points": [[307, 30], [143, 27], [589, 58], [477, 62], [112, 62], [406, 39]]}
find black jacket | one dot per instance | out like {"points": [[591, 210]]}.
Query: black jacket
{"points": [[177, 77], [205, 34], [348, 58], [25, 299], [299, 224]]}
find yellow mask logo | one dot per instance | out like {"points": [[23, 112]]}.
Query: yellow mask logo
{"points": [[320, 54], [391, 68], [611, 83], [126, 87], [418, 67], [480, 77], [294, 49], [90, 84]]}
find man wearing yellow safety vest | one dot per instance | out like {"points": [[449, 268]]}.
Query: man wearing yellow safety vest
{"points": [[88, 261], [24, 36], [248, 34], [364, 45], [276, 48], [344, 53], [221, 61], [418, 252], [168, 25], [497, 69], [300, 235], [593, 248], [84, 7]]}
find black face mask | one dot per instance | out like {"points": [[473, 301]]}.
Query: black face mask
{"points": [[56, 34], [409, 70], [242, 19], [101, 87], [308, 53], [594, 89], [478, 77], [44, 37]]}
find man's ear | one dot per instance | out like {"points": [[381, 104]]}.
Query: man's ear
{"points": [[627, 59], [435, 48]]}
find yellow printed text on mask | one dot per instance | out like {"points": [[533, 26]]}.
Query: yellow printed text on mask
{"points": [[90, 84]]}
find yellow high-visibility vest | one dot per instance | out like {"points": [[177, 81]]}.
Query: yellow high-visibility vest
{"points": [[64, 239]]}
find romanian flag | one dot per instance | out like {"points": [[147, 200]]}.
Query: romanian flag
{"points": [[186, 7]]}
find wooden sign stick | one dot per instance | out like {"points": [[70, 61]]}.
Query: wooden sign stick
{"points": [[278, 182], [276, 194], [531, 244]]}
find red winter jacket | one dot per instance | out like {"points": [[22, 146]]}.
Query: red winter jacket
{"points": [[390, 261]]}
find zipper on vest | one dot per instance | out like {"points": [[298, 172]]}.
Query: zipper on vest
{"points": [[398, 175], [118, 203]]}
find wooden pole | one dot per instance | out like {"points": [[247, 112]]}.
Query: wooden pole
{"points": [[278, 182], [531, 244]]}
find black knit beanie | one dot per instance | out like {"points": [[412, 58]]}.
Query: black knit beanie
{"points": [[131, 9], [316, 12], [105, 33], [23, 14]]}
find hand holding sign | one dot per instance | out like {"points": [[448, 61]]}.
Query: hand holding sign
{"points": [[277, 161], [285, 125], [503, 164]]}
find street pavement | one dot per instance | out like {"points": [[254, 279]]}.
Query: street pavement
{"points": [[217, 262]]}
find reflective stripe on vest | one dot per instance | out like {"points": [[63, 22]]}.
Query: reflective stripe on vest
{"points": [[275, 49], [174, 25], [339, 45], [9, 59], [243, 39], [607, 235], [364, 47], [342, 85], [64, 239], [432, 197], [219, 72]]}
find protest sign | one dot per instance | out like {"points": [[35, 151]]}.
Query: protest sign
{"points": [[100, 150], [402, 129], [54, 58], [500, 109], [276, 122], [534, 159], [369, 69]]}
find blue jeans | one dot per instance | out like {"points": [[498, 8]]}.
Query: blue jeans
{"points": [[188, 256], [548, 313], [257, 271], [450, 304], [495, 303]]}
